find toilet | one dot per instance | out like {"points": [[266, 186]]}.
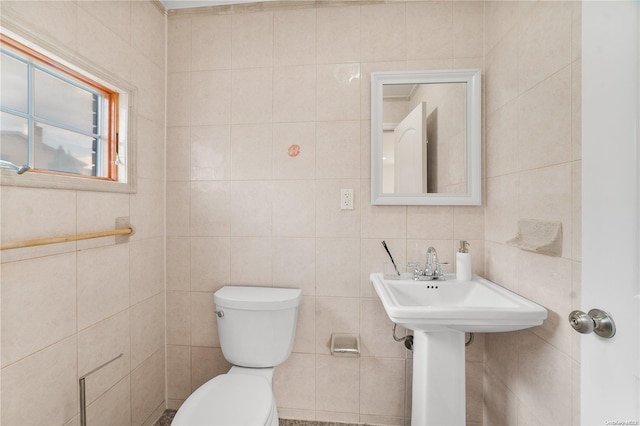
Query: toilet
{"points": [[256, 327]]}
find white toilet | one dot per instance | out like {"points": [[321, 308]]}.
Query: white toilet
{"points": [[256, 326]]}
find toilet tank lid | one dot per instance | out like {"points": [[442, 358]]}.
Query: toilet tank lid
{"points": [[257, 298]]}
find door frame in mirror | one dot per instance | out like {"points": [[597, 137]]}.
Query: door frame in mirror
{"points": [[472, 78]]}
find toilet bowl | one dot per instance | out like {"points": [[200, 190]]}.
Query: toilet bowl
{"points": [[231, 400], [256, 327]]}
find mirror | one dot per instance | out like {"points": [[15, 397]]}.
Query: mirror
{"points": [[425, 138]]}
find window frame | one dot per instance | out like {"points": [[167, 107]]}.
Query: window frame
{"points": [[120, 99]]}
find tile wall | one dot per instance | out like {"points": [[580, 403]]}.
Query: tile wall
{"points": [[533, 169], [246, 83], [68, 308], [242, 88]]}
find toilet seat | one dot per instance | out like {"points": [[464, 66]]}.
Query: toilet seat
{"points": [[229, 400]]}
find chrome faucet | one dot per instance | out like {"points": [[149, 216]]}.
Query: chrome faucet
{"points": [[432, 268], [433, 265]]}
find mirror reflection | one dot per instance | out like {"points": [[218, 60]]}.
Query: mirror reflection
{"points": [[424, 138]]}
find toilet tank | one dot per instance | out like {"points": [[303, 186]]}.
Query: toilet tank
{"points": [[256, 325]]}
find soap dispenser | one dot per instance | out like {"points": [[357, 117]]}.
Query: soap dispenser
{"points": [[463, 262]]}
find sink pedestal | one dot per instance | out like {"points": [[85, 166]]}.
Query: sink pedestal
{"points": [[439, 316], [438, 388]]}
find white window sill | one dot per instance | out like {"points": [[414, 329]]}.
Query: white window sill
{"points": [[37, 180]]}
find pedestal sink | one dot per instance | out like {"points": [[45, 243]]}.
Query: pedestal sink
{"points": [[439, 313]]}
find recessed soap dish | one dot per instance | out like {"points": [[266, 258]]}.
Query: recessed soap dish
{"points": [[345, 344], [539, 236]]}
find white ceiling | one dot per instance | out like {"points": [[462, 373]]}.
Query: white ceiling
{"points": [[185, 4]]}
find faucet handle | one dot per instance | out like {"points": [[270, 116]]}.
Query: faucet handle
{"points": [[417, 268], [437, 273]]}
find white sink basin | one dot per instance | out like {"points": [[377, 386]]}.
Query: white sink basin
{"points": [[472, 306]]}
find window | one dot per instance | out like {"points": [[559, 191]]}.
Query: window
{"points": [[55, 119]]}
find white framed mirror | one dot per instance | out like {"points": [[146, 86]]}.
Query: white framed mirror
{"points": [[426, 137]]}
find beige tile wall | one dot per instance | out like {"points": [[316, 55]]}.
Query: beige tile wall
{"points": [[68, 308], [242, 88], [533, 171]]}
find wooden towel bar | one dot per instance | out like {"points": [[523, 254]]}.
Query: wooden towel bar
{"points": [[66, 238]]}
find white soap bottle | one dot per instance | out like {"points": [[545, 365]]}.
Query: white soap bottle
{"points": [[463, 262]]}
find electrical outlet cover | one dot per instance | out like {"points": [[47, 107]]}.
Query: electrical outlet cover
{"points": [[346, 199]]}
